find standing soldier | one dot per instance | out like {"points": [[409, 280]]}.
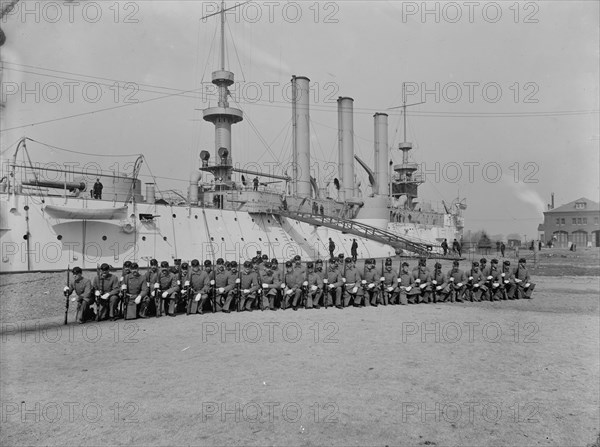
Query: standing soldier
{"points": [[97, 190], [331, 247], [390, 284], [475, 286], [404, 283], [456, 247], [502, 248], [421, 284], [524, 285], [106, 286], [314, 288], [507, 286], [332, 285], [371, 283], [354, 250], [445, 246], [352, 285], [439, 284], [456, 280], [83, 288], [136, 289], [249, 287]]}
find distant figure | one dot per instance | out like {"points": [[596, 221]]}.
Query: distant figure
{"points": [[540, 245], [445, 246], [255, 182], [497, 247], [98, 189], [354, 250], [502, 248], [331, 248], [456, 247], [322, 210]]}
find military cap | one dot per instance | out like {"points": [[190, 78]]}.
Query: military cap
{"points": [[483, 260], [105, 267], [506, 262], [438, 265], [388, 261], [265, 257], [341, 256], [333, 261], [228, 264], [247, 264], [258, 252], [274, 261], [348, 260], [77, 270], [267, 265], [455, 262], [154, 262], [522, 261], [297, 258], [475, 264], [319, 261], [127, 264], [233, 264], [135, 266], [405, 264], [220, 261], [173, 269], [195, 263], [185, 266], [310, 265], [288, 263], [164, 264], [422, 261], [494, 261], [207, 263]]}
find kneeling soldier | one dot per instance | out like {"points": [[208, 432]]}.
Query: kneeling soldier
{"points": [[332, 284], [270, 286], [475, 286], [314, 288], [492, 281], [439, 284], [421, 287], [106, 286], [371, 283], [352, 285], [507, 285], [83, 288], [249, 287], [136, 289], [404, 284], [389, 280], [456, 280], [524, 286]]}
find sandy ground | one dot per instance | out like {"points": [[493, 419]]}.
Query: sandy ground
{"points": [[516, 373]]}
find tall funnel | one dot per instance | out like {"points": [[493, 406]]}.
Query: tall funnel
{"points": [[381, 153], [301, 120], [346, 147]]}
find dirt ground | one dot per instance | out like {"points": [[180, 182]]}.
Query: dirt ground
{"points": [[516, 373]]}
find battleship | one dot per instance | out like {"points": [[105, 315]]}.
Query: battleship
{"points": [[50, 218]]}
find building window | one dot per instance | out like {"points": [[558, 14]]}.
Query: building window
{"points": [[580, 205], [579, 221], [557, 221], [584, 220], [574, 221], [562, 221], [596, 221]]}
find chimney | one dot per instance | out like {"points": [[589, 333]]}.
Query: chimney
{"points": [[552, 201], [346, 147], [301, 119], [381, 153]]}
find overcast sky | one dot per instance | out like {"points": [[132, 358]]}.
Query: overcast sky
{"points": [[510, 90]]}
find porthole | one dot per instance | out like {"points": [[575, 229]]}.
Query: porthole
{"points": [[165, 238], [174, 216], [104, 238], [59, 237], [216, 217], [260, 239], [25, 237], [196, 216], [143, 238], [212, 238]]}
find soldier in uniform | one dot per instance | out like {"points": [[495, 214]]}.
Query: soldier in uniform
{"points": [[457, 281], [292, 286], [249, 286], [370, 283], [421, 284], [270, 286], [475, 283], [321, 276], [224, 285], [167, 286], [197, 284], [389, 280], [404, 284], [524, 286], [439, 284], [136, 287], [83, 288], [353, 290], [106, 286], [314, 288], [332, 285], [492, 281], [278, 278], [507, 285]]}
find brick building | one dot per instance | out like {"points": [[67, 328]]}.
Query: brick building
{"points": [[576, 222]]}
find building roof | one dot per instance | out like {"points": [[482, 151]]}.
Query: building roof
{"points": [[570, 207]]}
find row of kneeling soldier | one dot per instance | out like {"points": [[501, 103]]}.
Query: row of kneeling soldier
{"points": [[262, 284]]}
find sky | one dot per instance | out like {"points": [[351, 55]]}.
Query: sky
{"points": [[509, 91]]}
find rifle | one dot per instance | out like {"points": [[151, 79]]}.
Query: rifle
{"points": [[158, 296], [382, 285], [325, 291], [214, 289], [67, 294], [305, 288], [343, 285], [239, 288]]}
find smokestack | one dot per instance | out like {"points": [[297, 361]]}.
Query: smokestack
{"points": [[150, 193], [552, 201], [381, 153], [346, 147], [301, 119]]}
